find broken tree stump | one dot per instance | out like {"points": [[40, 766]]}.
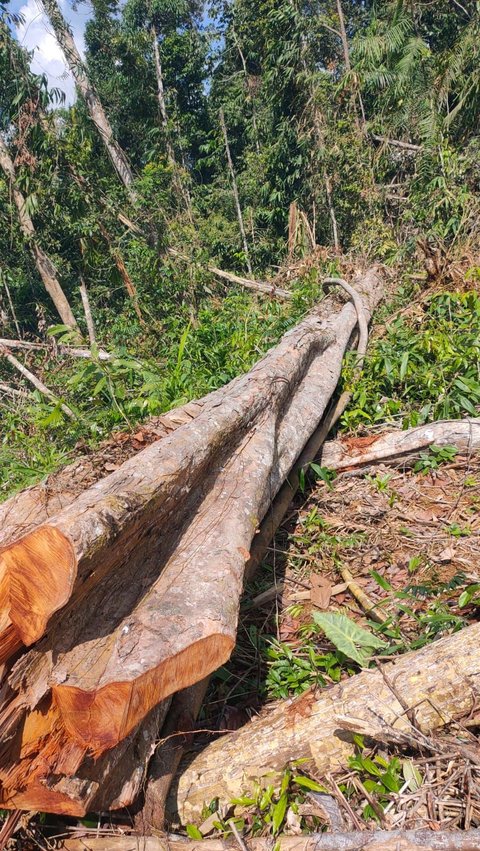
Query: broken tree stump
{"points": [[439, 683], [149, 562]]}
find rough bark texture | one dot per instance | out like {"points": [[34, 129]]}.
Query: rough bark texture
{"points": [[151, 559], [43, 263], [174, 739], [35, 505], [381, 840], [441, 681], [401, 446], [87, 90]]}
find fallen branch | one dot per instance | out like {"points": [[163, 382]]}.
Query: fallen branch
{"points": [[260, 286], [360, 595], [441, 681], [364, 840], [400, 446], [35, 381], [69, 351], [396, 143], [12, 391]]}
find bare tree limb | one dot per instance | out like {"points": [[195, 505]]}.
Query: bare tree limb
{"points": [[235, 192], [39, 385], [396, 143], [87, 311]]}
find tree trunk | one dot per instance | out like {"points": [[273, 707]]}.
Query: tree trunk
{"points": [[97, 113], [441, 681], [44, 265], [162, 108], [35, 505], [151, 559], [363, 840], [87, 311], [346, 55], [399, 447], [235, 192]]}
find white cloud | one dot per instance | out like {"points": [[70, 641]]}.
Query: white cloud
{"points": [[35, 33]]}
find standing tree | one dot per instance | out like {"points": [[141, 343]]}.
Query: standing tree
{"points": [[96, 111]]}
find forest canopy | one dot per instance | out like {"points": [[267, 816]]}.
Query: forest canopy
{"points": [[234, 136]]}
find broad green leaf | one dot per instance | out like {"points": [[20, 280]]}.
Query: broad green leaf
{"points": [[193, 831], [308, 783], [356, 643], [279, 812], [380, 580], [412, 775]]}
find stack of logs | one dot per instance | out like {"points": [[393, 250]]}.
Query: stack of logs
{"points": [[119, 599]]}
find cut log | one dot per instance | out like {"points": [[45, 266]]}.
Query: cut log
{"points": [[398, 447], [35, 505], [364, 840], [441, 681], [175, 525], [77, 783]]}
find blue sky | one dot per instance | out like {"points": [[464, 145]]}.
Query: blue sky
{"points": [[36, 35]]}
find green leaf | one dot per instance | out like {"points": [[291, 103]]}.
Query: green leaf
{"points": [[308, 783], [193, 831], [412, 775], [403, 365], [356, 643], [279, 812], [380, 580]]}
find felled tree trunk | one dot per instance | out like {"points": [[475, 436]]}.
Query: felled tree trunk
{"points": [[151, 559], [441, 681], [364, 840], [398, 447]]}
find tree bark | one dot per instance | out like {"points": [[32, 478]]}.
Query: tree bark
{"points": [[364, 840], [87, 311], [97, 113], [162, 108], [235, 192], [175, 525], [44, 265], [441, 681]]}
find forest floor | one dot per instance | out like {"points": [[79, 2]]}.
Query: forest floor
{"points": [[411, 540]]}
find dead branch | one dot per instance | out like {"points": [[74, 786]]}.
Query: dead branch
{"points": [[68, 351], [35, 381]]}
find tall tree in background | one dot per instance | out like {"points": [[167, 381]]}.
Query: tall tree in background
{"points": [[96, 111]]}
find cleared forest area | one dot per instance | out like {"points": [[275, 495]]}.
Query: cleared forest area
{"points": [[240, 412]]}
